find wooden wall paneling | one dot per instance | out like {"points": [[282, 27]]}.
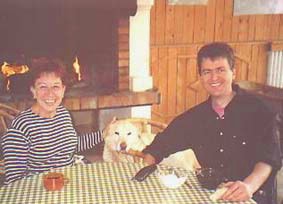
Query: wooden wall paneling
{"points": [[243, 55], [199, 25], [170, 25], [261, 64], [235, 28], [243, 28], [160, 21], [184, 50], [153, 33], [253, 63], [179, 31], [227, 24], [238, 61], [244, 71], [189, 21], [219, 19], [281, 28], [154, 68], [274, 27], [163, 80], [259, 27], [154, 65], [172, 81], [246, 51], [200, 93], [270, 25], [179, 24], [191, 75], [181, 84], [267, 27], [192, 78], [252, 27], [210, 21]]}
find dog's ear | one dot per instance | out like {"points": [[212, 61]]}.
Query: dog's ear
{"points": [[105, 133], [106, 130]]}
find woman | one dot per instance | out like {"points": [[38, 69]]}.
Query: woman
{"points": [[43, 136]]}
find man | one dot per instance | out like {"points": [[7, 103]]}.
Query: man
{"points": [[231, 131]]}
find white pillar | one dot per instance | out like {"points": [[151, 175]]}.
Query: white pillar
{"points": [[140, 79]]}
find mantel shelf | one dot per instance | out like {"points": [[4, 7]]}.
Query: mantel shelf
{"points": [[104, 101]]}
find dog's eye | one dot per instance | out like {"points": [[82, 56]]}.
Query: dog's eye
{"points": [[129, 133], [116, 133]]}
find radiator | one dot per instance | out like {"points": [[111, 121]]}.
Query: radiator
{"points": [[275, 69]]}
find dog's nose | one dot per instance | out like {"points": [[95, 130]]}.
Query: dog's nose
{"points": [[123, 146]]}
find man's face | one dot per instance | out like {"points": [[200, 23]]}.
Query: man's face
{"points": [[217, 76]]}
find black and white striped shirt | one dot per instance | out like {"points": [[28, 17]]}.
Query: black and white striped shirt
{"points": [[34, 144]]}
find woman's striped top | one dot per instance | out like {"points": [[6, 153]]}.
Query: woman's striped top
{"points": [[34, 144]]}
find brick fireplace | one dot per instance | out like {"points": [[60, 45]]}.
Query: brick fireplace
{"points": [[97, 32], [123, 82]]}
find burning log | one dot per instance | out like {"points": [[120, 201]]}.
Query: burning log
{"points": [[19, 83], [15, 78]]}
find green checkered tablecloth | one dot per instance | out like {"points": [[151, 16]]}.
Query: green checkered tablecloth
{"points": [[105, 183]]}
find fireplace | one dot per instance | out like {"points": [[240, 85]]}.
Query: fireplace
{"points": [[130, 93], [94, 32]]}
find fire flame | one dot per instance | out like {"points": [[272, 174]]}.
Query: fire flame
{"points": [[76, 66], [9, 70]]}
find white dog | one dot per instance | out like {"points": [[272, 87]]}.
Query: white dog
{"points": [[131, 137], [123, 135]]}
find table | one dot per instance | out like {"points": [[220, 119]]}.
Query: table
{"points": [[102, 182]]}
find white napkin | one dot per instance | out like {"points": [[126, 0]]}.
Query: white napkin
{"points": [[78, 159], [218, 193]]}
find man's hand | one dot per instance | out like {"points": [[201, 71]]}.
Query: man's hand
{"points": [[148, 159], [244, 190], [237, 191]]}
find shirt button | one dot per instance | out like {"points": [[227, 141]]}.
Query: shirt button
{"points": [[234, 136], [221, 150], [221, 133], [217, 118], [244, 143], [221, 165]]}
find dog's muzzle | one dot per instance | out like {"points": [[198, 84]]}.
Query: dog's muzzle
{"points": [[123, 146]]}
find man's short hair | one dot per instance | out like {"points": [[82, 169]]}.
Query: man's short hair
{"points": [[215, 50]]}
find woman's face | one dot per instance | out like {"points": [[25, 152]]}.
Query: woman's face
{"points": [[48, 91]]}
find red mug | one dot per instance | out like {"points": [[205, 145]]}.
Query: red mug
{"points": [[54, 181]]}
